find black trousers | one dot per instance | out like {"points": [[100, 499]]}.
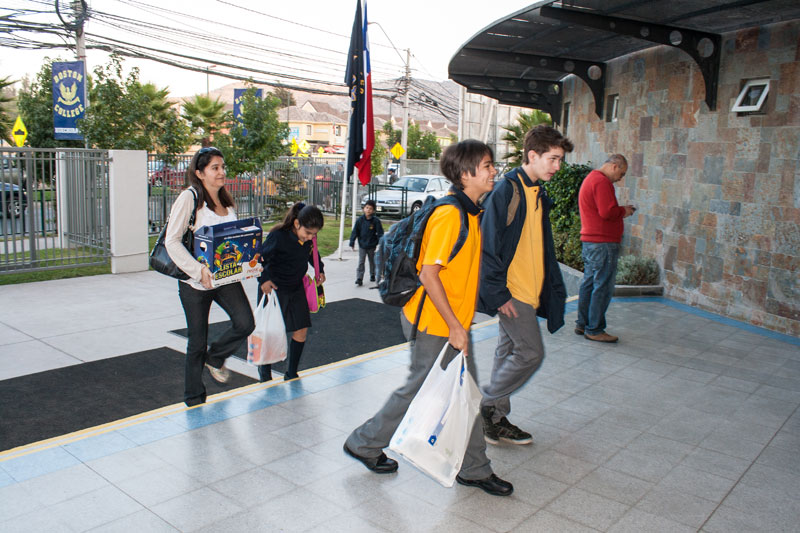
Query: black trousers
{"points": [[196, 307]]}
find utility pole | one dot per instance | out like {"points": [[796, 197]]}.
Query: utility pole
{"points": [[404, 138], [73, 14], [80, 43]]}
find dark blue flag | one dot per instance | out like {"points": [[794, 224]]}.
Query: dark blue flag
{"points": [[237, 104], [69, 99], [361, 131]]}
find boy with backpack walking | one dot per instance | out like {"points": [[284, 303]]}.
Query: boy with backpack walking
{"points": [[368, 230], [440, 311], [520, 277]]}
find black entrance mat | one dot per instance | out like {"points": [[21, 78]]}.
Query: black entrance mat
{"points": [[52, 403], [339, 331]]}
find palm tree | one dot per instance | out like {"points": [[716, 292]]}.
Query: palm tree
{"points": [[6, 121], [516, 134], [206, 117], [157, 99]]}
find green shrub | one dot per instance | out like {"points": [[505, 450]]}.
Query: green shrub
{"points": [[636, 270], [564, 216]]}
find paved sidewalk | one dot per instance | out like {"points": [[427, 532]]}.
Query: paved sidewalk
{"points": [[52, 324], [689, 423]]}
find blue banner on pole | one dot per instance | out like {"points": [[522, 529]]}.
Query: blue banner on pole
{"points": [[238, 94], [69, 99]]}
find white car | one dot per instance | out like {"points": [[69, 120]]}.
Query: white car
{"points": [[415, 189]]}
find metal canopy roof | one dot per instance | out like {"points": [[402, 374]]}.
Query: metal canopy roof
{"points": [[521, 59]]}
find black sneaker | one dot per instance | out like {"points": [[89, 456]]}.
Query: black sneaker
{"points": [[510, 433], [491, 432], [490, 429], [372, 278], [359, 282]]}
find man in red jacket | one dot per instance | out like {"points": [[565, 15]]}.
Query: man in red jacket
{"points": [[601, 233]]}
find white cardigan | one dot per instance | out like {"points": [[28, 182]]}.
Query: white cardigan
{"points": [[179, 217]]}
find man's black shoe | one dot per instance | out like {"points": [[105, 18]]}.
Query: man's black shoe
{"points": [[578, 330], [359, 282], [379, 465], [372, 278], [491, 485]]}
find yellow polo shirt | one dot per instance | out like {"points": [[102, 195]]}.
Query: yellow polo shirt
{"points": [[526, 272], [459, 276]]}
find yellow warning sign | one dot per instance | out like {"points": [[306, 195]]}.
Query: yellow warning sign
{"points": [[20, 132], [397, 151], [304, 146]]}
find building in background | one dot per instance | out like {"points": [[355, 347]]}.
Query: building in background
{"points": [[704, 100], [483, 118]]}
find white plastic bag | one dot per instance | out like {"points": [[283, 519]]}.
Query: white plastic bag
{"points": [[435, 431], [267, 343]]}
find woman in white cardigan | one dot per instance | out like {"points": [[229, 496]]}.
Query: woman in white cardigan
{"points": [[206, 177]]}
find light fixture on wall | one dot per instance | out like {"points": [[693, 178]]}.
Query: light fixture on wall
{"points": [[752, 96]]}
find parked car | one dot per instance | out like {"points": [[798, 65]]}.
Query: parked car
{"points": [[14, 200], [417, 188], [239, 185], [162, 174]]}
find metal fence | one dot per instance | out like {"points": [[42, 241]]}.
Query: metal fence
{"points": [[54, 209], [314, 180]]}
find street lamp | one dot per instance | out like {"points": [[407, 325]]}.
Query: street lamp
{"points": [[209, 67]]}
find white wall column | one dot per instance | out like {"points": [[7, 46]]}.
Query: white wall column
{"points": [[128, 210]]}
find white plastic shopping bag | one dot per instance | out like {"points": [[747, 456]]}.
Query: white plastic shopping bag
{"points": [[267, 343], [435, 431]]}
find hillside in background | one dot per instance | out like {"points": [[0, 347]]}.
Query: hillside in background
{"points": [[429, 101]]}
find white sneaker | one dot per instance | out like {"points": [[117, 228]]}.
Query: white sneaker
{"points": [[220, 375]]}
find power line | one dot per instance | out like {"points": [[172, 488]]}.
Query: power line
{"points": [[166, 34], [421, 96]]}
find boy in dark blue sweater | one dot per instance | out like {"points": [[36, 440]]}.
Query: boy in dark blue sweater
{"points": [[368, 229]]}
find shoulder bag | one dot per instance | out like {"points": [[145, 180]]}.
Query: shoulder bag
{"points": [[160, 261], [315, 295]]}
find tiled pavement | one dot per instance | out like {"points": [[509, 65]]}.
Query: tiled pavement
{"points": [[689, 423]]}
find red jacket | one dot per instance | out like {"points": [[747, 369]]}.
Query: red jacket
{"points": [[601, 216]]}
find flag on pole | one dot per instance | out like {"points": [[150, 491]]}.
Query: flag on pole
{"points": [[361, 132]]}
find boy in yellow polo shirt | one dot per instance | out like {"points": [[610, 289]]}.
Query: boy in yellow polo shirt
{"points": [[520, 277], [451, 289]]}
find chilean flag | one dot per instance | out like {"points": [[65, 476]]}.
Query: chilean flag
{"points": [[361, 132]]}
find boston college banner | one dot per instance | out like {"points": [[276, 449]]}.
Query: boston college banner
{"points": [[69, 99]]}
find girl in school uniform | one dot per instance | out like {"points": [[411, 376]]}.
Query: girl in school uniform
{"points": [[285, 255]]}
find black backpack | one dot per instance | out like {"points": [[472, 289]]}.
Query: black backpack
{"points": [[399, 248]]}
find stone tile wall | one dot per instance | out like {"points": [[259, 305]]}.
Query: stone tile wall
{"points": [[718, 193]]}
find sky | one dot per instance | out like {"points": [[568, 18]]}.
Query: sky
{"points": [[308, 39]]}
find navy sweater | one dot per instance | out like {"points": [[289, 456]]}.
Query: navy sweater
{"points": [[285, 260], [368, 231]]}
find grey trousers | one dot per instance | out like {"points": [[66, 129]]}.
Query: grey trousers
{"points": [[365, 253], [518, 356], [369, 439]]}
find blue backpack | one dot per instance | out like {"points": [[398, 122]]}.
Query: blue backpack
{"points": [[399, 248]]}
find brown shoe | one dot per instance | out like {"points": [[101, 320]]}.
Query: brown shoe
{"points": [[601, 337]]}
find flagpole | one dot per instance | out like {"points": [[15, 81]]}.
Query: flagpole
{"points": [[344, 193], [354, 196]]}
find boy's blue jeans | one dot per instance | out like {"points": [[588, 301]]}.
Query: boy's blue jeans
{"points": [[597, 288]]}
